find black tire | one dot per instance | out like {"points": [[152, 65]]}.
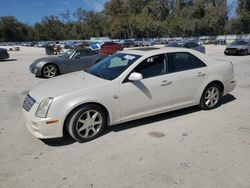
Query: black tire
{"points": [[213, 98], [49, 71], [84, 133], [246, 52]]}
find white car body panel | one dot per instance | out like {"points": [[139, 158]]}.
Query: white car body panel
{"points": [[126, 101], [148, 95]]}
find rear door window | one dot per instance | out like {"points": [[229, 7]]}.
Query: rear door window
{"points": [[181, 61]]}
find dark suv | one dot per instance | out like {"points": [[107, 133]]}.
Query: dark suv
{"points": [[4, 54]]}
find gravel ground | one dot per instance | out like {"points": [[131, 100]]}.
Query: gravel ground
{"points": [[185, 148]]}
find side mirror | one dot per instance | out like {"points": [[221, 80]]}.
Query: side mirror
{"points": [[135, 76]]}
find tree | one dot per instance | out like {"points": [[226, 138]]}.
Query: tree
{"points": [[243, 11], [13, 30]]}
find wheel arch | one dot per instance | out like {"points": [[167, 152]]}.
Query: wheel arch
{"points": [[217, 82], [81, 105], [220, 84]]}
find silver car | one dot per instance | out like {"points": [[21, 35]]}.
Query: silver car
{"points": [[238, 47], [70, 61]]}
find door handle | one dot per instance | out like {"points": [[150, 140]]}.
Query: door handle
{"points": [[165, 83], [200, 74]]}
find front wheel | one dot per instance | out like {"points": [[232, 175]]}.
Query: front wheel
{"points": [[210, 98], [49, 71], [86, 123]]}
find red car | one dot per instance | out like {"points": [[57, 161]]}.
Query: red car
{"points": [[110, 47]]}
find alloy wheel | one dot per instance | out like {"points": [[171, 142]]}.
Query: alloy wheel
{"points": [[89, 124], [49, 71], [212, 96]]}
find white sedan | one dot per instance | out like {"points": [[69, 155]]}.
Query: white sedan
{"points": [[123, 87], [10, 48]]}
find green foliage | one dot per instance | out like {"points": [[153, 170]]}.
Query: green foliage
{"points": [[133, 19], [13, 30]]}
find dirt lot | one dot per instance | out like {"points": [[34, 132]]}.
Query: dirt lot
{"points": [[185, 148]]}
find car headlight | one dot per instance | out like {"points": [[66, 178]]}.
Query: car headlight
{"points": [[43, 107]]}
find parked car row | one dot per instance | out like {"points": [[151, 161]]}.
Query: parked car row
{"points": [[187, 44], [9, 47]]}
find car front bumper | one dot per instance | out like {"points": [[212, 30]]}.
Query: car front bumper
{"points": [[35, 70], [42, 127], [234, 51], [4, 56]]}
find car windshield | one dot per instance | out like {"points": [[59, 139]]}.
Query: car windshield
{"points": [[174, 44], [113, 66], [67, 54], [241, 42]]}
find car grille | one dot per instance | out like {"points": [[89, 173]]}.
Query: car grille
{"points": [[28, 103]]}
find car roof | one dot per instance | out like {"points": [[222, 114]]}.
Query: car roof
{"points": [[207, 59], [155, 51]]}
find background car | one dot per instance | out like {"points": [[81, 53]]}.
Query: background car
{"points": [[70, 61], [109, 48], [127, 43], [125, 86], [143, 42], [96, 46], [9, 47], [187, 44], [238, 47], [4, 54], [82, 44]]}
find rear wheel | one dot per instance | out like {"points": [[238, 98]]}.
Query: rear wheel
{"points": [[211, 97], [49, 71], [86, 123]]}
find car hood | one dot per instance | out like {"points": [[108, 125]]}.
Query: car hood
{"points": [[237, 46], [48, 59], [65, 84]]}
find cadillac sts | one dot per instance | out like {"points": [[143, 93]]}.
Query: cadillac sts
{"points": [[125, 86]]}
